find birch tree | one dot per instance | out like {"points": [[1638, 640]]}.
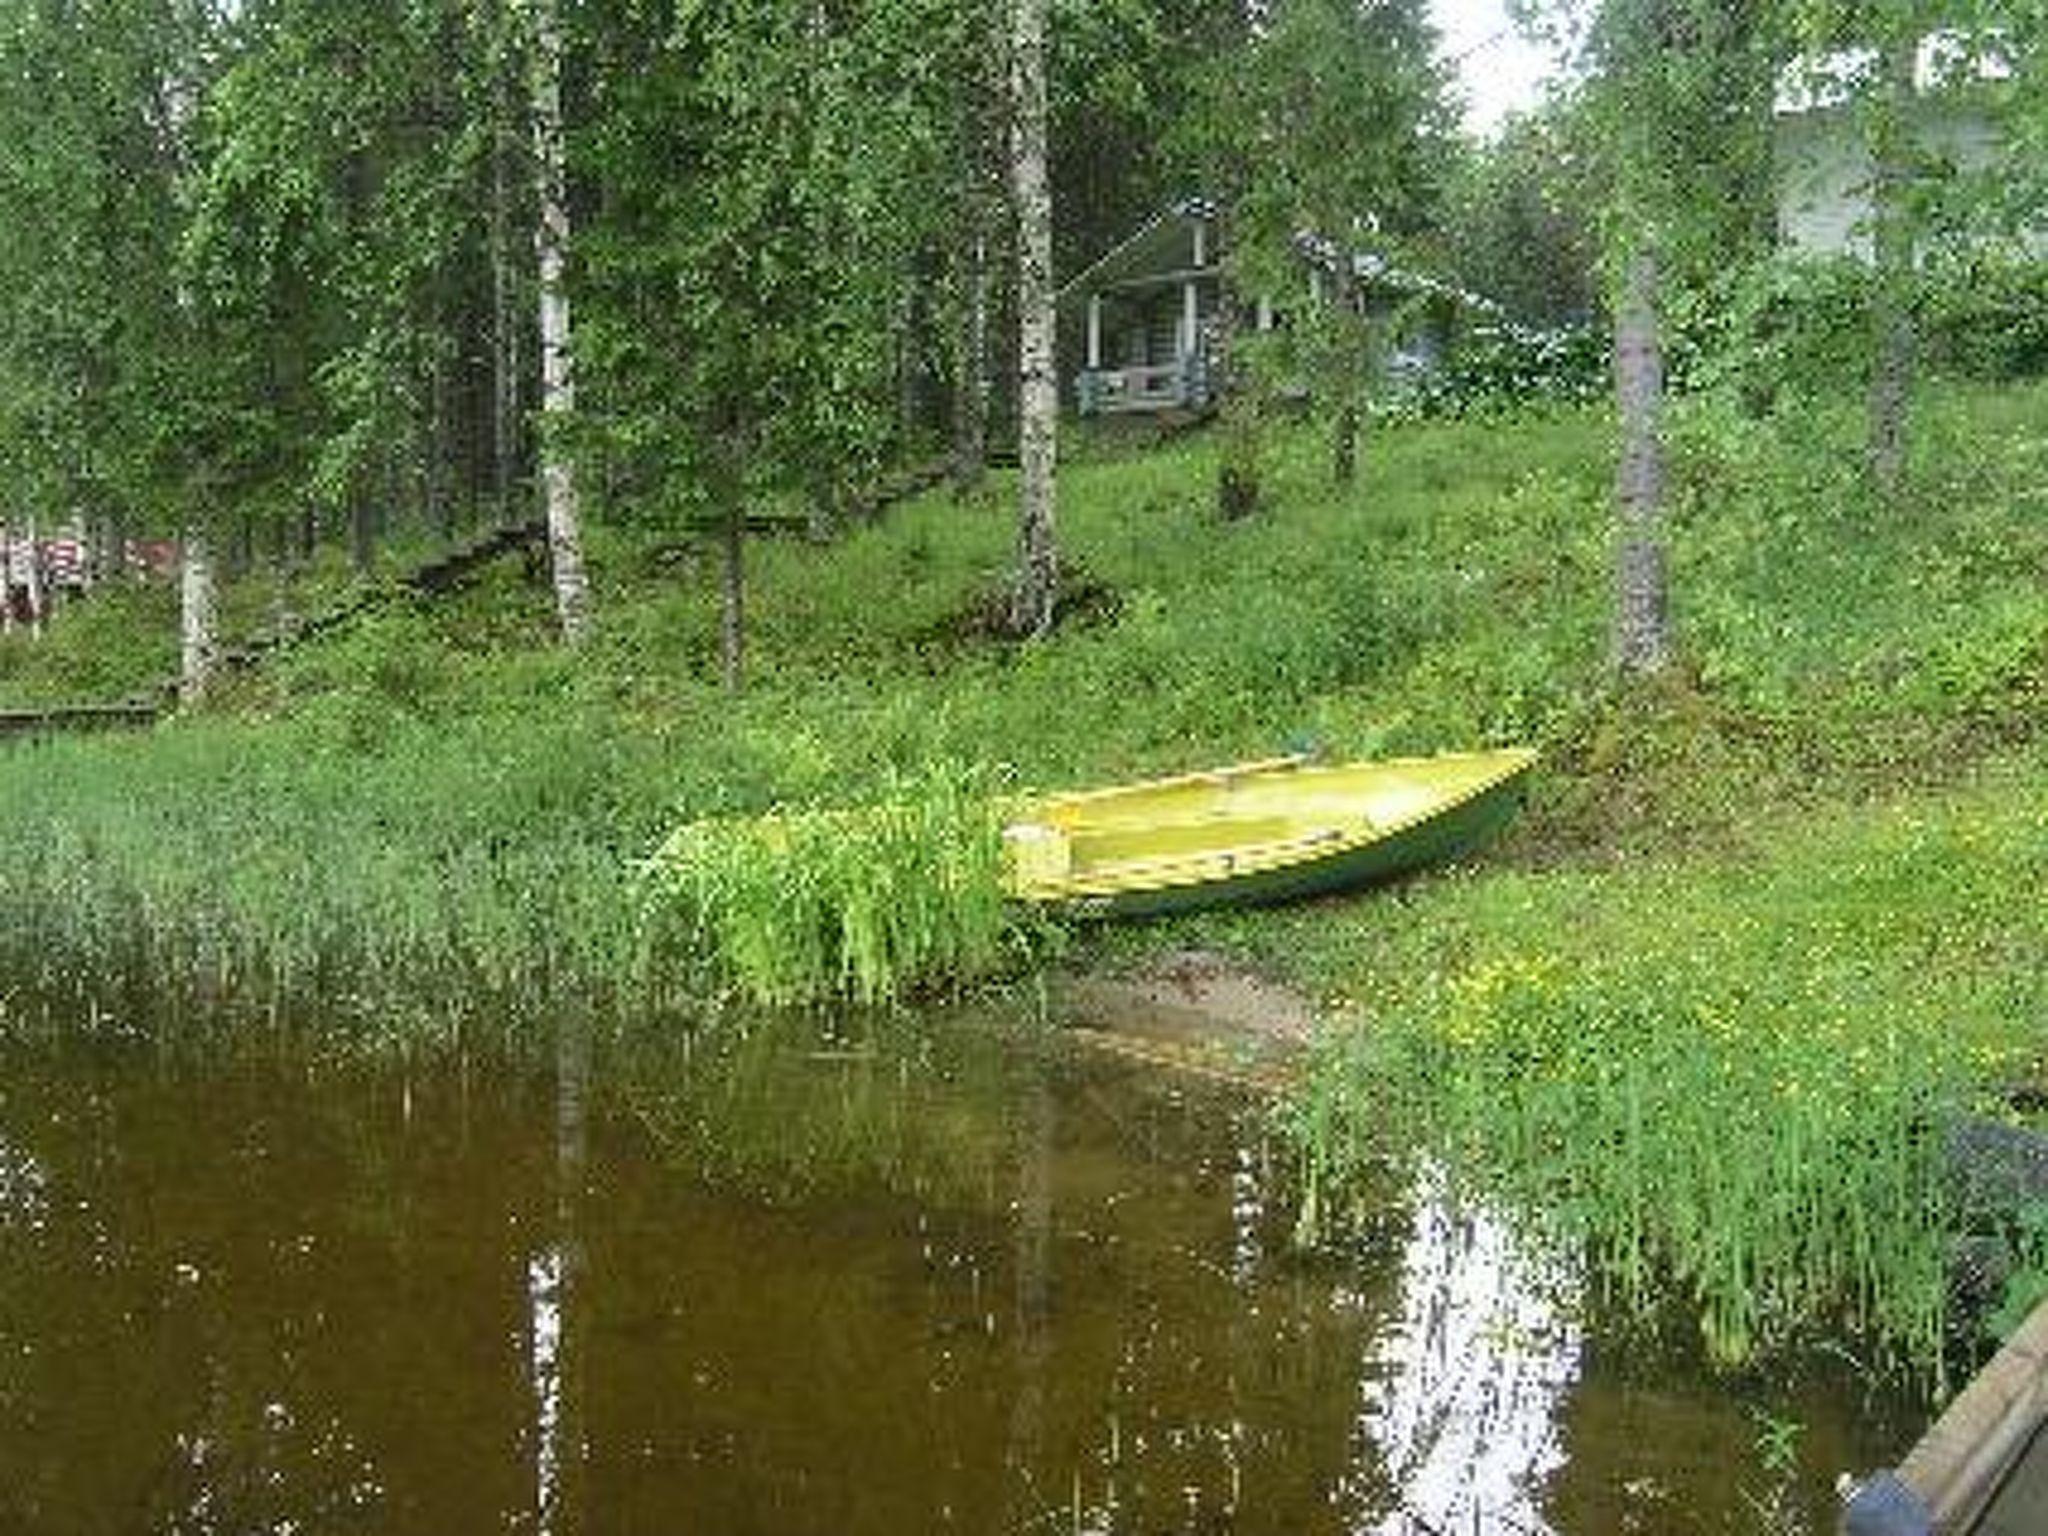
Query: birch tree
{"points": [[558, 384], [1681, 92], [199, 623], [1891, 154], [1642, 597], [1356, 144], [1036, 595]]}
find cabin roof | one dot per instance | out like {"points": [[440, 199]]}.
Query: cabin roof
{"points": [[1162, 249], [1157, 249], [1946, 62]]}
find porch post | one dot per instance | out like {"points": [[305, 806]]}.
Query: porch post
{"points": [[1094, 332], [1265, 313], [1191, 319]]}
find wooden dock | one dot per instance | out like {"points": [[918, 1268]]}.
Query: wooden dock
{"points": [[64, 719], [445, 573], [1982, 1470]]}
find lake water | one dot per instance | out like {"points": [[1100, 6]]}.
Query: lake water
{"points": [[887, 1278]]}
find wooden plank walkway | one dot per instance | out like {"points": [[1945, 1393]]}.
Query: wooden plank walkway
{"points": [[1982, 1470], [59, 719], [442, 574]]}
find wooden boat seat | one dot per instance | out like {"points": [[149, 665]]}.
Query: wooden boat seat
{"points": [[1174, 840]]}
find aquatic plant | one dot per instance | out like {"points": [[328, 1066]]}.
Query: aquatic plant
{"points": [[1728, 1086], [801, 905]]}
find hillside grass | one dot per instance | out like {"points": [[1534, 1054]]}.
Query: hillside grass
{"points": [[440, 781], [1764, 928]]}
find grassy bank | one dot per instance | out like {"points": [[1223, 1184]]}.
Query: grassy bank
{"points": [[1725, 1078], [1762, 927]]}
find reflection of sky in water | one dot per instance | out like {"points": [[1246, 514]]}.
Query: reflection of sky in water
{"points": [[544, 1288], [1462, 1395], [24, 1189]]}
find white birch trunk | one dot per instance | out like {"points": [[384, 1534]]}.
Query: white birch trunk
{"points": [[198, 626], [37, 597], [558, 385], [1038, 390], [1891, 379], [1642, 625]]}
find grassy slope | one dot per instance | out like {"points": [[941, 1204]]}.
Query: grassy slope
{"points": [[1828, 832], [1458, 596]]}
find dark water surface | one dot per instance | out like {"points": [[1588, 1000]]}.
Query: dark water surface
{"points": [[893, 1280]]}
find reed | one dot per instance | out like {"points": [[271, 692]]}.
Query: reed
{"points": [[1727, 1087], [805, 905]]}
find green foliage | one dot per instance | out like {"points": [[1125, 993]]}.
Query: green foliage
{"points": [[808, 905], [1518, 221], [1987, 318], [2026, 1285], [1702, 911], [1792, 329], [1496, 368], [1324, 136], [306, 863]]}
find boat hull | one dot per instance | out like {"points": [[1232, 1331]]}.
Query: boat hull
{"points": [[1303, 868]]}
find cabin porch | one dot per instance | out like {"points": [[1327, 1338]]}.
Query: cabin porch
{"points": [[1148, 349], [1144, 316]]}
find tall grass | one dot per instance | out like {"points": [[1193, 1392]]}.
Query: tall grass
{"points": [[806, 905], [293, 867]]}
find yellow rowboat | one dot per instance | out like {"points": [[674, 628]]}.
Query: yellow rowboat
{"points": [[1259, 832]]}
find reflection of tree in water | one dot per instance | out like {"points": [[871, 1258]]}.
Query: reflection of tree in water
{"points": [[1038, 1125], [555, 1275], [1463, 1394], [797, 1106], [24, 1189]]}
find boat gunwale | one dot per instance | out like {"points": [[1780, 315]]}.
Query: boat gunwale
{"points": [[1267, 858]]}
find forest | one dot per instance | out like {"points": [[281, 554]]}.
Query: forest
{"points": [[541, 538]]}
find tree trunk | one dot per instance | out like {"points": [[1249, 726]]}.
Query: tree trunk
{"points": [[732, 624], [1891, 380], [1346, 379], [198, 618], [1344, 445], [1642, 627], [38, 598], [1037, 592], [362, 534], [558, 385], [505, 330], [909, 367], [1237, 468], [970, 361]]}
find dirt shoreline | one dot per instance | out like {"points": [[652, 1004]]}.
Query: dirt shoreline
{"points": [[1191, 1010]]}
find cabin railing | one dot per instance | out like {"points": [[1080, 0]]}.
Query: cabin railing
{"points": [[1178, 385]]}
